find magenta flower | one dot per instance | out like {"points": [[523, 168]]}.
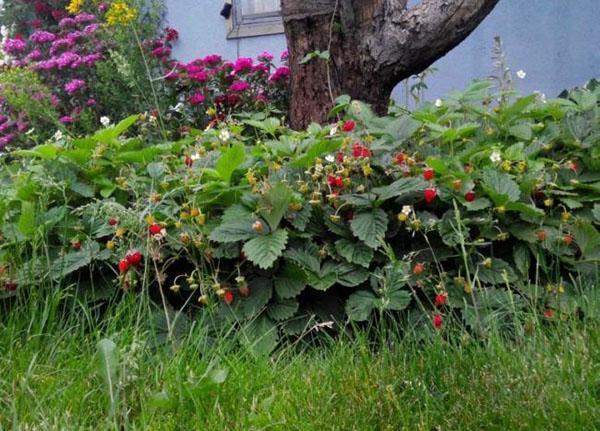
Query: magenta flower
{"points": [[74, 86], [59, 44], [85, 17], [199, 77], [242, 64], [5, 140], [66, 22], [34, 55], [49, 64], [67, 119], [14, 46], [265, 56], [66, 59], [261, 68], [280, 74], [196, 99], [91, 59], [91, 28], [285, 55], [239, 86], [171, 34], [42, 37], [212, 60]]}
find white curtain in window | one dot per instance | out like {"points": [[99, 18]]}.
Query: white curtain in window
{"points": [[250, 7]]}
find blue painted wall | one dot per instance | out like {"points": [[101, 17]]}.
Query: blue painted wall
{"points": [[557, 42]]}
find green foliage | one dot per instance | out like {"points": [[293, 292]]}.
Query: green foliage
{"points": [[439, 212]]}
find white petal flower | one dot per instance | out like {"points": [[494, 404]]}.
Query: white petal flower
{"points": [[496, 156], [438, 103], [333, 130], [178, 107], [224, 135], [406, 209], [329, 158], [195, 156], [58, 135], [521, 74], [105, 121]]}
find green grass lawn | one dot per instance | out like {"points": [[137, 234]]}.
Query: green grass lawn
{"points": [[49, 379]]}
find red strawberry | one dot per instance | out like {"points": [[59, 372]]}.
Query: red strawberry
{"points": [[340, 156], [441, 299], [134, 257], [349, 126], [428, 174], [470, 196], [430, 194], [188, 161], [228, 297], [418, 268], [568, 239], [437, 321], [548, 313], [113, 221], [76, 244], [123, 266], [11, 286], [400, 158], [541, 235], [155, 229]]}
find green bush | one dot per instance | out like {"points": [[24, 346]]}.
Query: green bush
{"points": [[464, 207]]}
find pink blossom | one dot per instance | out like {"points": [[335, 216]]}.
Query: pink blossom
{"points": [[242, 64], [91, 102], [199, 76], [74, 85], [212, 59], [91, 28], [34, 55], [85, 17], [67, 119], [42, 37], [66, 59], [285, 55], [161, 52], [5, 140], [261, 68], [171, 34], [54, 100], [281, 73], [265, 56], [14, 46], [58, 44], [74, 36], [239, 86], [91, 59], [66, 22], [49, 64], [196, 99], [192, 68]]}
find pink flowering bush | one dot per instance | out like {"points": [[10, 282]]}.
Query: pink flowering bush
{"points": [[93, 69], [208, 90]]}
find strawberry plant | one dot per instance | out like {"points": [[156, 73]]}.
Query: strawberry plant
{"points": [[465, 208]]}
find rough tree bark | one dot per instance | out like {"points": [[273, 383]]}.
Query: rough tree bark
{"points": [[374, 44]]}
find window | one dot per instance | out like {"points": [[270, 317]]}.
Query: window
{"points": [[255, 18]]}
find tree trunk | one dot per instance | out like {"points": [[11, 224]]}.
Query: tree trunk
{"points": [[373, 45]]}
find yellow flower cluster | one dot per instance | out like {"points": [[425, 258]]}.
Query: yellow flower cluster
{"points": [[120, 13], [74, 6]]}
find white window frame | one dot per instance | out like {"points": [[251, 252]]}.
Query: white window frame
{"points": [[239, 26]]}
